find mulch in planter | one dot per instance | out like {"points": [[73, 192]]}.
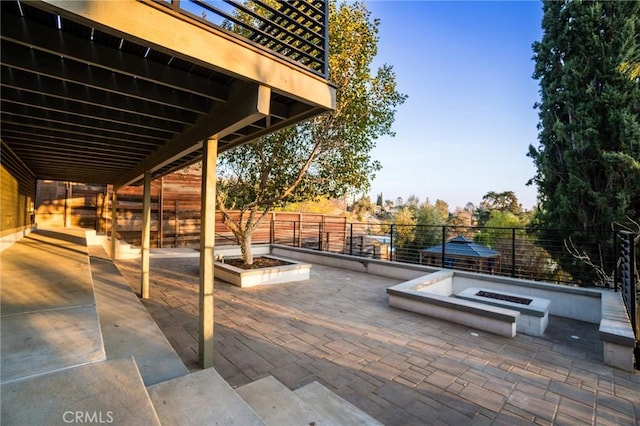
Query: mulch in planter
{"points": [[258, 263]]}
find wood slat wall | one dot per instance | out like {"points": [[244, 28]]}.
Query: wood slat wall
{"points": [[175, 214], [17, 192]]}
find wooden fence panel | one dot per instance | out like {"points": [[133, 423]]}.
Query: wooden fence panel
{"points": [[175, 215]]}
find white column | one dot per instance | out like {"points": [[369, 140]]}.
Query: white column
{"points": [[114, 222], [146, 237], [207, 243]]}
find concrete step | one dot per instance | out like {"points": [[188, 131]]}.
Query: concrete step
{"points": [[124, 250], [332, 407], [277, 405], [200, 398], [108, 392], [49, 319], [127, 328]]}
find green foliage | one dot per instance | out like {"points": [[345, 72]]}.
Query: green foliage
{"points": [[322, 205], [588, 158], [493, 201], [328, 155], [404, 222], [495, 228], [362, 207], [430, 218]]}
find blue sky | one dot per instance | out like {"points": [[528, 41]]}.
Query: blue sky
{"points": [[469, 119]]}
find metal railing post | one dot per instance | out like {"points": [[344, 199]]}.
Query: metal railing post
{"points": [[391, 243], [614, 256], [325, 23], [444, 247], [351, 239], [272, 231], [293, 242], [513, 252], [320, 236]]}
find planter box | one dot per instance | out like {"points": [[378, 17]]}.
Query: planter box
{"points": [[295, 271]]}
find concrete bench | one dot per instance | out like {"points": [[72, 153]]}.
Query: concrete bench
{"points": [[534, 316], [616, 332]]}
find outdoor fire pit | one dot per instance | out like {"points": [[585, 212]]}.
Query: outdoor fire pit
{"points": [[534, 311]]}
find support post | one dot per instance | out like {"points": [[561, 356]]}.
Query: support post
{"points": [[351, 239], [114, 222], [68, 199], [160, 213], [146, 237], [207, 244]]}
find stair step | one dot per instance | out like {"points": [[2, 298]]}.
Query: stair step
{"points": [[105, 392], [48, 311], [128, 329], [277, 405], [200, 398], [333, 407]]}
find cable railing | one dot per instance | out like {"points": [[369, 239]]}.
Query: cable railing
{"points": [[535, 254], [296, 30]]}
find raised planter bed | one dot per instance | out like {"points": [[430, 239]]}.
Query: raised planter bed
{"points": [[293, 271]]}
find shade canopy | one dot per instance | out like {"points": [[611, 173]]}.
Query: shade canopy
{"points": [[462, 246]]}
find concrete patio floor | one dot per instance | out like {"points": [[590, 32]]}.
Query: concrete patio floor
{"points": [[399, 367]]}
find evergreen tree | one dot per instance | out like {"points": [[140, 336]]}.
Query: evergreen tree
{"points": [[588, 158]]}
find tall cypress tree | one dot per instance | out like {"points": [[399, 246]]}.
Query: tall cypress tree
{"points": [[588, 158]]}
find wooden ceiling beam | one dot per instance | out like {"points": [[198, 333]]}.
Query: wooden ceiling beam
{"points": [[32, 127], [12, 99], [21, 132], [248, 104], [40, 85], [46, 142], [89, 124], [69, 70], [53, 41]]}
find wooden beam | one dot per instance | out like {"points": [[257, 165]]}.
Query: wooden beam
{"points": [[245, 106], [47, 87], [89, 125], [114, 223], [70, 71], [13, 97], [64, 113], [40, 124], [145, 237], [207, 245], [51, 40], [141, 20]]}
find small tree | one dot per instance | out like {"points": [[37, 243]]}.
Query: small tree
{"points": [[327, 155]]}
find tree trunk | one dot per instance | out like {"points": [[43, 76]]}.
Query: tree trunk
{"points": [[245, 247]]}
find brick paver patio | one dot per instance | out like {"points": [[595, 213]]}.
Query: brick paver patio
{"points": [[401, 368]]}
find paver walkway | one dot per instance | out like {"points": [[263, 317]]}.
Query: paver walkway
{"points": [[400, 367]]}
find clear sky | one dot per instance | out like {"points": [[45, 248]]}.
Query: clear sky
{"points": [[469, 120]]}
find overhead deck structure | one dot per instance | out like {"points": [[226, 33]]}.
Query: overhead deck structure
{"points": [[122, 92]]}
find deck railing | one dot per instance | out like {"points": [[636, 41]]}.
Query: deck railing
{"points": [[628, 277], [513, 252], [296, 30]]}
